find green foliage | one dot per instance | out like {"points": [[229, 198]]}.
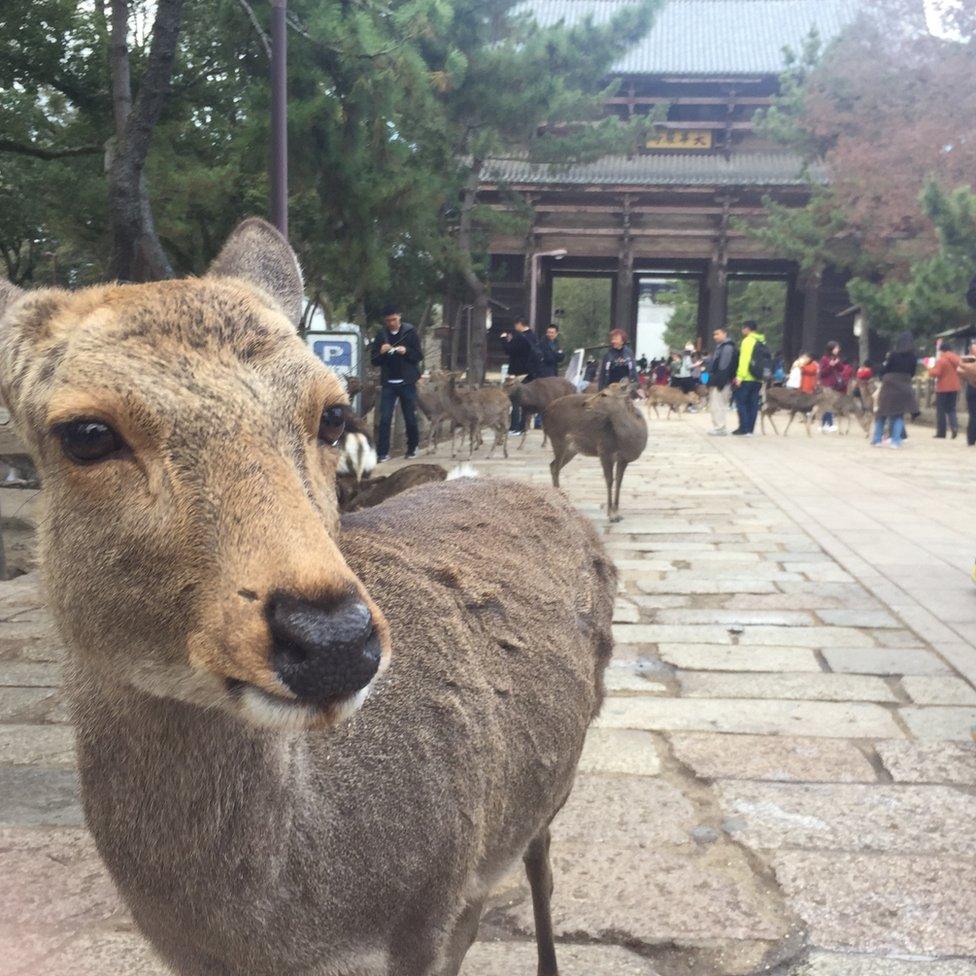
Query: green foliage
{"points": [[764, 302], [585, 304], [682, 327]]}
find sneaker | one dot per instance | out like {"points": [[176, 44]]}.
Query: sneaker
{"points": [[739, 433], [894, 447], [749, 434], [410, 455], [721, 432], [382, 458]]}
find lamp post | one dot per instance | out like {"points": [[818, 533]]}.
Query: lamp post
{"points": [[279, 116], [558, 254]]}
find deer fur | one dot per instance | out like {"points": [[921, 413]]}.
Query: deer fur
{"points": [[844, 405], [535, 397], [607, 425], [470, 410], [251, 831], [677, 401], [378, 490]]}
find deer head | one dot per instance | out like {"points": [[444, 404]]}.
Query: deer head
{"points": [[185, 439]]}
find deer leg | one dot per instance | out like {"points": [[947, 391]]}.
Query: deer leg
{"points": [[563, 456], [808, 420], [539, 872], [618, 481], [464, 934], [789, 423], [526, 423], [606, 460], [772, 423]]}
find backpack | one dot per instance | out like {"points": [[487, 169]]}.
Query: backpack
{"points": [[761, 362]]}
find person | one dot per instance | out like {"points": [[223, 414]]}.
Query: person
{"points": [[721, 369], [748, 385], [618, 364], [779, 369], [524, 361], [947, 387], [683, 369], [897, 396], [864, 375], [642, 364], [396, 350], [835, 374], [552, 352], [967, 370], [809, 373], [590, 371], [661, 373]]}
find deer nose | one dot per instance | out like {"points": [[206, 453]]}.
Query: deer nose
{"points": [[323, 652]]}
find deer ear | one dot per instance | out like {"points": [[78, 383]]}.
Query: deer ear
{"points": [[257, 253], [8, 295]]}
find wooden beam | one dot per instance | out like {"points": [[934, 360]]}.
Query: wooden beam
{"points": [[707, 232], [689, 100], [661, 210]]}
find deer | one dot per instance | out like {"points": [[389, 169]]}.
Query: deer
{"points": [[535, 397], [470, 410], [677, 401], [606, 425], [792, 401], [845, 405], [305, 744]]}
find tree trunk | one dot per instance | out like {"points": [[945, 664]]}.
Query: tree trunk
{"points": [[864, 339], [476, 287], [137, 254]]}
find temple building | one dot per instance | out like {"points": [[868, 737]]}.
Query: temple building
{"points": [[669, 213]]}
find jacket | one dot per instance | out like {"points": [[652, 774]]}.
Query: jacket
{"points": [[524, 356], [398, 367], [945, 373], [897, 395], [742, 373], [617, 365], [808, 377], [722, 365], [552, 357], [834, 374]]}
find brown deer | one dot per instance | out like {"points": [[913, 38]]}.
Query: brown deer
{"points": [[791, 401], [470, 410], [270, 799], [606, 425], [847, 406], [535, 397], [677, 401]]}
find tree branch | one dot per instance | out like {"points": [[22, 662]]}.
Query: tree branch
{"points": [[256, 24], [28, 149]]}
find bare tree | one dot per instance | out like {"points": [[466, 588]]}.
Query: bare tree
{"points": [[137, 254]]}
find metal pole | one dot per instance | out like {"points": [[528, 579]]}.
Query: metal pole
{"points": [[279, 116]]}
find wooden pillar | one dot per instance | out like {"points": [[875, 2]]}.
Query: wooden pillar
{"points": [[810, 291], [716, 297], [623, 306], [793, 322]]}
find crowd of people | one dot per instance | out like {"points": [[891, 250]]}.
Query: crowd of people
{"points": [[734, 375]]}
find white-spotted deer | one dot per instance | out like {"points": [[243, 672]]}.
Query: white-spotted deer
{"points": [[305, 748]]}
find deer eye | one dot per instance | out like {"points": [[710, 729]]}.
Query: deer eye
{"points": [[87, 441], [332, 425]]}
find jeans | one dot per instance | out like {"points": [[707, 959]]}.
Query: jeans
{"points": [[945, 413], [406, 393], [828, 419], [517, 422], [747, 403], [897, 430]]}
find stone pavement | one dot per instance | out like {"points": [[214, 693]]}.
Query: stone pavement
{"points": [[782, 776]]}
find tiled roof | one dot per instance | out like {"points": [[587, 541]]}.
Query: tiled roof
{"points": [[659, 169], [713, 37]]}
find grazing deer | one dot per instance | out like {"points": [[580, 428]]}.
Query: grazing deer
{"points": [[535, 397], [789, 400], [677, 401], [606, 425], [269, 798]]}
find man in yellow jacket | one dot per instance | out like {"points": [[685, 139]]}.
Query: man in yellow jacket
{"points": [[747, 386]]}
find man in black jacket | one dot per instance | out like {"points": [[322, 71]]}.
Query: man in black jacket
{"points": [[524, 360], [552, 351], [396, 350], [721, 371]]}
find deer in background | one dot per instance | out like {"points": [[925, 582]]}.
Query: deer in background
{"points": [[535, 397], [606, 425], [269, 798], [677, 401]]}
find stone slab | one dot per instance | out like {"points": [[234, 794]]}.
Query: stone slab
{"points": [[37, 745], [53, 877], [819, 637], [776, 758], [32, 796], [846, 964], [929, 762], [937, 690], [735, 618], [632, 678], [858, 618], [882, 903], [101, 953], [754, 717], [621, 811], [704, 585], [851, 817], [20, 674], [510, 958], [657, 633], [37, 704], [808, 686], [940, 722], [620, 751], [883, 660], [715, 657], [658, 895]]}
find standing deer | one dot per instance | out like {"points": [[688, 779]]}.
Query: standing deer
{"points": [[607, 425], [270, 797], [535, 397]]}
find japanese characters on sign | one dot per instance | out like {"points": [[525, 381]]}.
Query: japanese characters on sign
{"points": [[680, 139]]}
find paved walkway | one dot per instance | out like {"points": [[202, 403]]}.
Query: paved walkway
{"points": [[782, 776]]}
